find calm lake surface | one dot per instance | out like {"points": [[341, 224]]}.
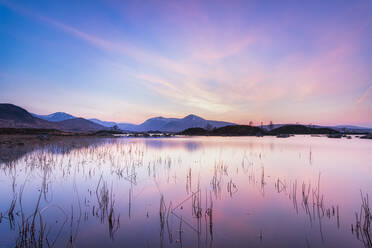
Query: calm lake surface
{"points": [[300, 191]]}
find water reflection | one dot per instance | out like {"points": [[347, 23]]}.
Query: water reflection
{"points": [[188, 192], [172, 143]]}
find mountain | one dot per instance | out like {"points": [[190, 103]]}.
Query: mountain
{"points": [[55, 117], [62, 116], [156, 123], [122, 125], [12, 112], [178, 124], [127, 126], [12, 116], [103, 123], [79, 125]]}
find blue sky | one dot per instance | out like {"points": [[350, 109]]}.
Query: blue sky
{"points": [[285, 61]]}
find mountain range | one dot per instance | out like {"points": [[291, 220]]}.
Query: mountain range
{"points": [[12, 116], [17, 117], [152, 124], [174, 124]]}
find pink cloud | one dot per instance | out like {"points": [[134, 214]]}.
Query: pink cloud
{"points": [[365, 95]]}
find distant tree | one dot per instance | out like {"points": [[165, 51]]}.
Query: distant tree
{"points": [[251, 123], [208, 127], [271, 125], [261, 124]]}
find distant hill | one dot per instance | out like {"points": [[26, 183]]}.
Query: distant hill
{"points": [[79, 125], [12, 116], [55, 117], [238, 130], [352, 129], [231, 130], [195, 131], [301, 129], [244, 130], [340, 128]]}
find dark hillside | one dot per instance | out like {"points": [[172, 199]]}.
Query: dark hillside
{"points": [[79, 125], [232, 130], [12, 116], [238, 130], [301, 129], [15, 113], [195, 131]]}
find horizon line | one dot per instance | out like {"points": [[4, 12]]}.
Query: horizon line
{"points": [[181, 117]]}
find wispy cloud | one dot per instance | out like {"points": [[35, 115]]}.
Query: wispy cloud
{"points": [[365, 95], [185, 94]]}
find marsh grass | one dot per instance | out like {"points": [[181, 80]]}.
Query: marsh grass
{"points": [[363, 221]]}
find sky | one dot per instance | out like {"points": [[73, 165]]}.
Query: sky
{"points": [[240, 61]]}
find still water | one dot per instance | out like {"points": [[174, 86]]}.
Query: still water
{"points": [[301, 191]]}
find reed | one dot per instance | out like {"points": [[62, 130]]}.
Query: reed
{"points": [[363, 222]]}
